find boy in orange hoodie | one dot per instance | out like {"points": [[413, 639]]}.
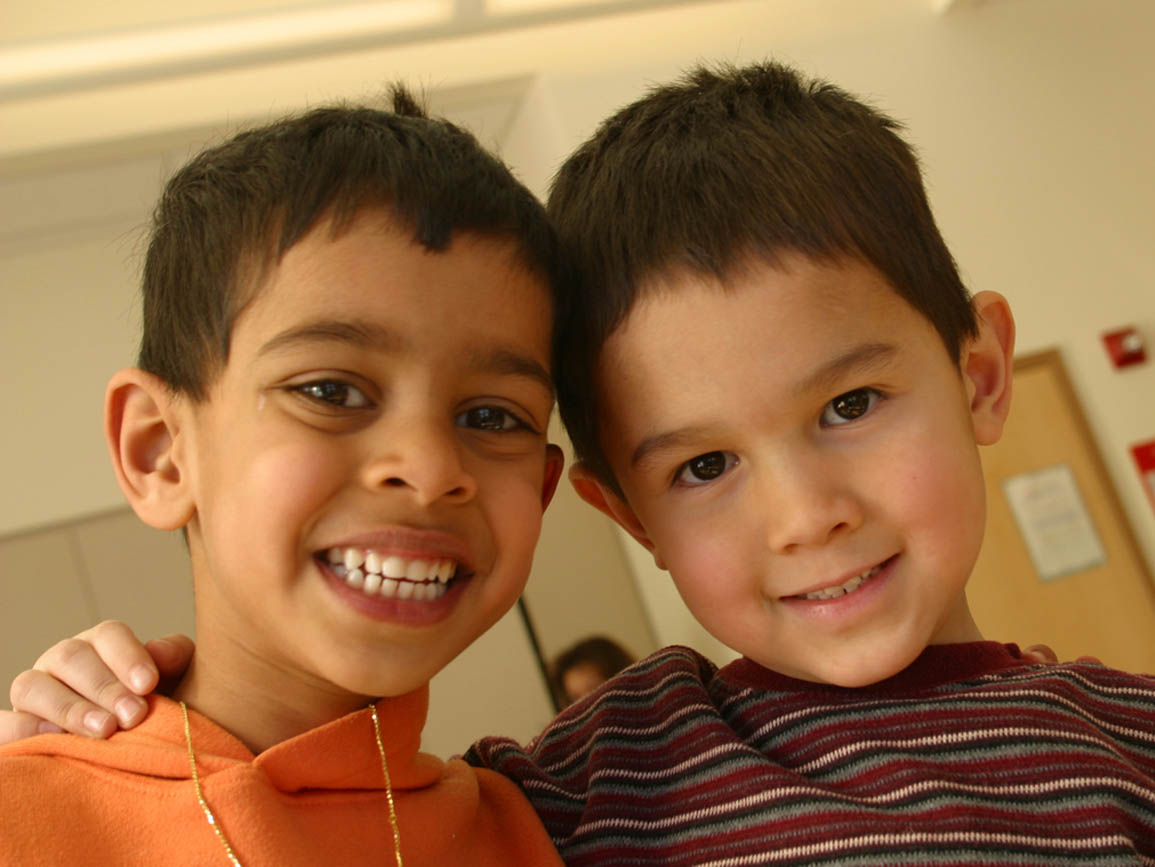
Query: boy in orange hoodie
{"points": [[342, 397]]}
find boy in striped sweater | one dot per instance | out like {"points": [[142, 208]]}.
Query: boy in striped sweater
{"points": [[776, 382]]}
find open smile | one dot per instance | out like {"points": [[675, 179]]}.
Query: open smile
{"points": [[846, 588], [391, 576]]}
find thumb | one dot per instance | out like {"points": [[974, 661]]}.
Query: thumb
{"points": [[15, 726], [172, 654]]}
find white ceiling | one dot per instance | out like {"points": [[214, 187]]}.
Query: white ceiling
{"points": [[48, 20], [77, 124], [60, 45]]}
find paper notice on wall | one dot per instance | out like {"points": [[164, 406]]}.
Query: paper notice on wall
{"points": [[1054, 521]]}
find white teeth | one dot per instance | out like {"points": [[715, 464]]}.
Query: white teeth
{"points": [[842, 589], [391, 576]]}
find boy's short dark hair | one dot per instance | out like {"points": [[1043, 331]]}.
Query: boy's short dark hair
{"points": [[726, 167], [236, 208]]}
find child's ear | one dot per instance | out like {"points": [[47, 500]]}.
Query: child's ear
{"points": [[988, 366], [602, 497], [142, 428], [554, 463]]}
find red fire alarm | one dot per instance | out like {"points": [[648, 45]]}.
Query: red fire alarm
{"points": [[1125, 347], [1144, 454]]}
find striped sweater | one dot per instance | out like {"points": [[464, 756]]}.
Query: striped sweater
{"points": [[969, 756]]}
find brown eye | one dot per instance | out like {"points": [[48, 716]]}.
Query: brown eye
{"points": [[490, 418], [706, 468], [849, 406], [334, 393]]}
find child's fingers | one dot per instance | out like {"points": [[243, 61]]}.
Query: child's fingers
{"points": [[171, 654], [43, 696], [1040, 653], [15, 726], [119, 651], [78, 689]]}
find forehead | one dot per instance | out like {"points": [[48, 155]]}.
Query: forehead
{"points": [[475, 292], [763, 306], [767, 330]]}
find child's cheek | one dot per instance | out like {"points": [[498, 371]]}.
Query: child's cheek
{"points": [[510, 498], [941, 500], [705, 557], [289, 481]]}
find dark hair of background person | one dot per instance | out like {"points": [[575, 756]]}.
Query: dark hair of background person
{"points": [[602, 654]]}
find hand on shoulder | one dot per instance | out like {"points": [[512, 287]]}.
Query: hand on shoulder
{"points": [[91, 684]]}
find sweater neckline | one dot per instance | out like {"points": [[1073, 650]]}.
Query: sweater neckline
{"points": [[938, 664], [341, 754]]}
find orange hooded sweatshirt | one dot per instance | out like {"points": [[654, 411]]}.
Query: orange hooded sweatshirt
{"points": [[315, 799]]}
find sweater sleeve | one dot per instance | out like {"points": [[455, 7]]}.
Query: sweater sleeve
{"points": [[590, 761]]}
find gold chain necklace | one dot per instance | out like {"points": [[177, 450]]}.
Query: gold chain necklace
{"points": [[216, 826]]}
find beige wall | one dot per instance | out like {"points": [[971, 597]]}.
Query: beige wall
{"points": [[60, 580], [1032, 117]]}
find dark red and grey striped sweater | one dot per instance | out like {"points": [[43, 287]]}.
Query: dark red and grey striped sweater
{"points": [[969, 756]]}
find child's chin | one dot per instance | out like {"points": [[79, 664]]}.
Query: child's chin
{"points": [[389, 676], [860, 679], [864, 670], [374, 686]]}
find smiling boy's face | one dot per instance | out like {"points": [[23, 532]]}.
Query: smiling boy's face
{"points": [[799, 451], [369, 470]]}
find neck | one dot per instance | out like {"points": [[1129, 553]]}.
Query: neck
{"points": [[958, 627], [256, 703]]}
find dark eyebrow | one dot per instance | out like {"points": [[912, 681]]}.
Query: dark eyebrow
{"points": [[651, 446], [857, 358], [334, 330], [824, 378], [500, 359], [509, 362]]}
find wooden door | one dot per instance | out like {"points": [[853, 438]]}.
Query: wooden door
{"points": [[1104, 606]]}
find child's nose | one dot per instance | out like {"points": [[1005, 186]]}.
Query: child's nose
{"points": [[810, 503], [423, 460]]}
